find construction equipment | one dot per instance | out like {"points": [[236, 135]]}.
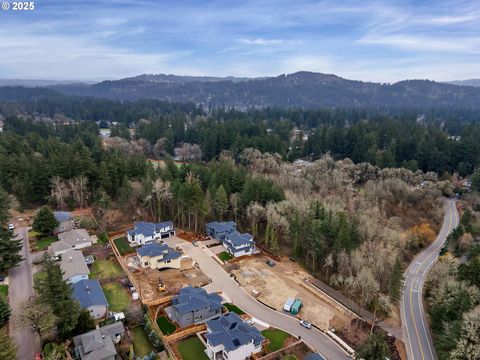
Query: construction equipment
{"points": [[161, 286]]}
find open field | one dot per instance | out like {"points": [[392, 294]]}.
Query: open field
{"points": [[118, 298], [141, 343], [287, 279], [192, 349]]}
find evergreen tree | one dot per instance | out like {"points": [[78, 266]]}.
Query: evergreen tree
{"points": [[56, 292], [5, 312], [85, 323], [8, 350], [395, 282], [220, 201], [374, 348], [9, 247], [44, 221]]}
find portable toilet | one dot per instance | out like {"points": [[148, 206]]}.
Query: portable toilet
{"points": [[288, 304], [296, 306]]}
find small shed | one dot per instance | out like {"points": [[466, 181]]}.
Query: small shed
{"points": [[296, 306]]}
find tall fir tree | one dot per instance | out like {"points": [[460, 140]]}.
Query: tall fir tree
{"points": [[44, 221], [395, 282], [5, 312], [9, 247]]}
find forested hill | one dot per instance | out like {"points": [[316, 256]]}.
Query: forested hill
{"points": [[302, 89]]}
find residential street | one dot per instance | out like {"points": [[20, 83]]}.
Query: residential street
{"points": [[223, 282], [418, 340], [20, 289]]}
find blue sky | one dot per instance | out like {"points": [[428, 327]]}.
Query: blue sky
{"points": [[368, 40]]}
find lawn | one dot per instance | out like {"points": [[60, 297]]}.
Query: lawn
{"points": [[43, 243], [118, 298], [103, 269], [3, 292], [234, 308], [277, 338], [123, 246], [141, 343], [224, 256], [33, 234], [192, 349], [166, 326]]}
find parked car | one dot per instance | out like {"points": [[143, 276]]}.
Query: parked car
{"points": [[270, 263], [305, 324], [11, 227]]}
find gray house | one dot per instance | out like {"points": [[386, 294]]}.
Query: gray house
{"points": [[99, 344], [70, 240], [194, 306], [234, 242], [90, 295], [74, 266], [65, 221]]}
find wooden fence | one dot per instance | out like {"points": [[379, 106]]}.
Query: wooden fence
{"points": [[185, 333]]}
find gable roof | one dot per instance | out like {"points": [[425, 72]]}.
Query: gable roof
{"points": [[155, 250], [73, 263], [222, 227], [190, 299], [148, 229], [98, 344], [231, 332], [88, 293], [238, 239], [74, 237], [62, 216]]}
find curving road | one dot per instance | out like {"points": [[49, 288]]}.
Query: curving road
{"points": [[415, 325]]}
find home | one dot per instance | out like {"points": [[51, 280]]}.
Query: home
{"points": [[70, 240], [218, 230], [65, 221], [145, 232], [158, 256], [194, 306], [236, 244], [90, 295], [228, 337], [74, 267], [99, 344]]}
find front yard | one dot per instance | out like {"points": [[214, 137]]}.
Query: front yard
{"points": [[123, 246], [165, 325], [192, 349], [118, 298], [234, 308], [225, 256], [43, 243], [141, 343], [105, 269], [276, 337]]}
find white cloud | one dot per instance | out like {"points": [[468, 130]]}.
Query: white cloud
{"points": [[261, 41]]}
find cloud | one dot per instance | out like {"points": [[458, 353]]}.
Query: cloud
{"points": [[261, 41]]}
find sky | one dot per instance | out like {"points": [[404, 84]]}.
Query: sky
{"points": [[380, 41]]}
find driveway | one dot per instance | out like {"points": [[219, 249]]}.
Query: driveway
{"points": [[21, 289], [221, 281], [418, 340]]}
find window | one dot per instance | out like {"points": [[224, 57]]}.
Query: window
{"points": [[146, 263]]}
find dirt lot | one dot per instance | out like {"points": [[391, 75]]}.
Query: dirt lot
{"points": [[284, 280]]}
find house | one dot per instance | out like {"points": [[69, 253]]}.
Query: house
{"points": [[158, 256], [90, 295], [74, 267], [65, 221], [145, 232], [99, 344], [236, 244], [194, 306], [70, 240], [228, 337], [218, 230]]}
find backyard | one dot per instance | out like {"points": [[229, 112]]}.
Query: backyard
{"points": [[165, 325], [123, 246], [104, 269], [234, 308], [141, 343], [224, 256], [276, 337], [192, 349], [118, 298]]}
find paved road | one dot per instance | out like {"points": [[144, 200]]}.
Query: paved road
{"points": [[223, 282], [418, 339], [20, 289]]}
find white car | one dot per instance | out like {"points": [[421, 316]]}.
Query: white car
{"points": [[11, 227], [305, 324]]}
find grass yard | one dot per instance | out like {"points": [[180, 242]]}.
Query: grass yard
{"points": [[141, 343], [3, 292], [277, 338], [118, 298], [234, 308], [43, 243], [225, 256], [123, 246], [192, 349], [33, 234], [165, 325], [103, 269]]}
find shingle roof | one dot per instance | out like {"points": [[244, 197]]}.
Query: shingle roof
{"points": [[88, 293], [238, 239], [147, 228], [222, 227], [74, 237], [98, 344], [153, 249], [62, 216], [190, 299], [231, 332], [73, 263]]}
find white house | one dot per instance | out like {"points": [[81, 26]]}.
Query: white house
{"points": [[239, 244], [70, 240], [145, 232], [228, 337], [74, 266]]}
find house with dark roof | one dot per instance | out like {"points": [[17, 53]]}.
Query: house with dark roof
{"points": [[99, 344], [228, 337], [234, 242], [146, 232], [74, 267], [90, 295], [159, 256], [65, 221], [194, 306]]}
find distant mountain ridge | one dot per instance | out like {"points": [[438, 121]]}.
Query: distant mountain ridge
{"points": [[469, 82]]}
